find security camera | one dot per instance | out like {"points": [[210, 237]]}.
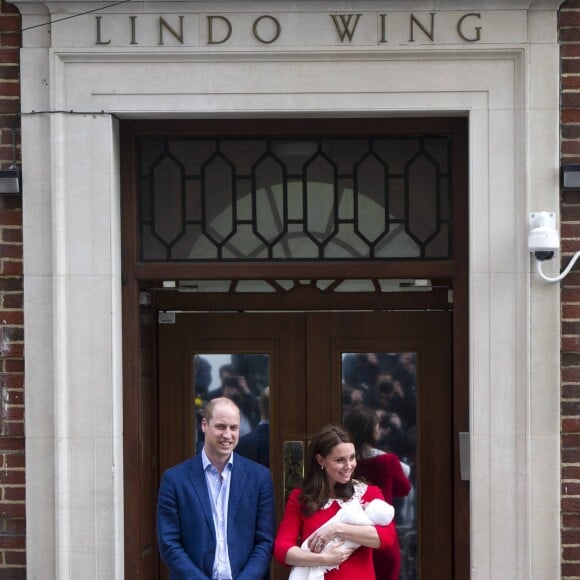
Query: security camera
{"points": [[543, 239]]}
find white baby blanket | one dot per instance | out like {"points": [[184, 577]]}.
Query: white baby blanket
{"points": [[377, 512]]}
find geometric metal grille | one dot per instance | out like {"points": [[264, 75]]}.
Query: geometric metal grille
{"points": [[272, 198]]}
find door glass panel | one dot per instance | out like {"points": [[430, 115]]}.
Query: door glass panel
{"points": [[243, 378], [386, 383]]}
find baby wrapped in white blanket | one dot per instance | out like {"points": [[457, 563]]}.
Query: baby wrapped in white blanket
{"points": [[377, 512]]}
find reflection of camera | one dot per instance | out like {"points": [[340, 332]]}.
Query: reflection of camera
{"points": [[386, 387], [232, 383]]}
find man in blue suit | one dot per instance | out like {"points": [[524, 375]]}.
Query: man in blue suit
{"points": [[215, 512]]}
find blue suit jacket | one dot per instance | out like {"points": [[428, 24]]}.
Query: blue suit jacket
{"points": [[185, 529]]}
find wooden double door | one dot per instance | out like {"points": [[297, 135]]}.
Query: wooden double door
{"points": [[319, 364]]}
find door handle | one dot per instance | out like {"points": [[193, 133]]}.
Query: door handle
{"points": [[465, 455], [293, 458]]}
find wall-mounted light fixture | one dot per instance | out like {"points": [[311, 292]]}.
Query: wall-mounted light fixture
{"points": [[10, 181], [571, 176], [544, 242], [10, 178]]}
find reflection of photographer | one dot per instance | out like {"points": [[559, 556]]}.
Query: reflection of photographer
{"points": [[393, 399], [391, 433], [256, 445], [360, 369], [236, 389]]}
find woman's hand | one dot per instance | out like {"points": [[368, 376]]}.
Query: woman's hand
{"points": [[320, 539], [335, 554]]}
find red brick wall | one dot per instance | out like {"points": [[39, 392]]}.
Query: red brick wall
{"points": [[569, 28], [12, 477]]}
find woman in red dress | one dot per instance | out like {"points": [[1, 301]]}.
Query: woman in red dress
{"points": [[382, 469], [327, 485]]}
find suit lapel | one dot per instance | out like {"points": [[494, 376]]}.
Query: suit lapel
{"points": [[199, 487], [237, 485]]}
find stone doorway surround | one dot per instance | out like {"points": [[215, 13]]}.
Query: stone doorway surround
{"points": [[82, 76]]}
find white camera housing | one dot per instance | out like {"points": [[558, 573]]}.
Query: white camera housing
{"points": [[543, 238]]}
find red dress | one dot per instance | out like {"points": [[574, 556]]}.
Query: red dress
{"points": [[386, 472], [295, 528]]}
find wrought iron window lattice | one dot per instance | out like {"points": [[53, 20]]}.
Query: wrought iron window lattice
{"points": [[182, 198]]}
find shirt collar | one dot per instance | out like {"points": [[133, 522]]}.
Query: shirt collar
{"points": [[206, 461]]}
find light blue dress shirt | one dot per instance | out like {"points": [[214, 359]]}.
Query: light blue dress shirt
{"points": [[219, 493]]}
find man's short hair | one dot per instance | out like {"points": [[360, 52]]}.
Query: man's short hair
{"points": [[208, 410]]}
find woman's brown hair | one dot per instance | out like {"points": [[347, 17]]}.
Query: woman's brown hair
{"points": [[315, 490]]}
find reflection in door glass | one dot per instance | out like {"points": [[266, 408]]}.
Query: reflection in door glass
{"points": [[243, 378], [379, 409]]}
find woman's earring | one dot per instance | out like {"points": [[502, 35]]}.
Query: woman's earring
{"points": [[322, 467]]}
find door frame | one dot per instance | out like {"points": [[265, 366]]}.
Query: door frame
{"points": [[139, 315]]}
